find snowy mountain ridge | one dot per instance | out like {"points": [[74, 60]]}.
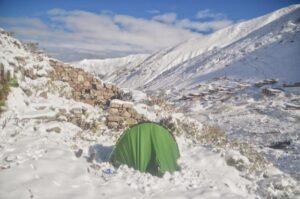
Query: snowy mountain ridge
{"points": [[105, 68], [247, 47]]}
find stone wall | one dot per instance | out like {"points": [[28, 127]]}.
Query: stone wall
{"points": [[86, 88], [122, 114], [78, 116]]}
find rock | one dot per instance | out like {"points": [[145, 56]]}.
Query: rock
{"points": [[113, 111], [44, 95], [114, 118], [77, 112], [86, 84], [270, 92], [52, 62], [10, 158], [62, 118], [40, 108], [62, 111], [265, 82], [130, 121], [28, 92], [126, 114], [278, 186], [115, 104], [78, 153], [281, 144], [91, 157], [30, 73], [235, 159], [127, 105], [86, 88], [296, 84], [54, 129], [292, 106], [21, 60], [80, 78], [112, 124]]}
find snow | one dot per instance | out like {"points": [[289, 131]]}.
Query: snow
{"points": [[108, 67], [143, 109], [224, 67], [264, 47], [137, 96], [35, 159], [117, 102], [36, 162]]}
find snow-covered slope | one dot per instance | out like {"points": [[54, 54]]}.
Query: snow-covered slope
{"points": [[259, 48], [105, 68], [37, 145], [43, 145]]}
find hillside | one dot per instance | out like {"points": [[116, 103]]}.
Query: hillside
{"points": [[257, 49], [56, 131], [105, 68], [231, 101], [244, 78]]}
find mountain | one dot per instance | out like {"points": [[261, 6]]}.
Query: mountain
{"points": [[55, 133], [261, 48], [105, 68], [237, 130]]}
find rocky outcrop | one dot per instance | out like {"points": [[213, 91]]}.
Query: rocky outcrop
{"points": [[122, 114], [86, 88], [78, 116]]}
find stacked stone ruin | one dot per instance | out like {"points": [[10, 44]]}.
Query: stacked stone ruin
{"points": [[122, 114], [86, 88], [77, 116]]}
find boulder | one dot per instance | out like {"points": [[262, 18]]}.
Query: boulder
{"points": [[112, 118], [112, 124], [80, 78], [54, 129], [44, 95], [113, 111], [235, 159]]}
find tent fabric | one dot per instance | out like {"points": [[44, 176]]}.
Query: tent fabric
{"points": [[147, 147]]}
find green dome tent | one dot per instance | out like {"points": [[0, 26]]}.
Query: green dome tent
{"points": [[147, 147]]}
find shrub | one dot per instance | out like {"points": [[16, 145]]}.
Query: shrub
{"points": [[212, 135], [2, 103], [4, 89], [13, 82]]}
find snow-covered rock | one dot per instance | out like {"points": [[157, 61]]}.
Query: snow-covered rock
{"points": [[234, 158]]}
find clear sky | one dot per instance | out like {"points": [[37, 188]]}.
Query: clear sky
{"points": [[75, 29]]}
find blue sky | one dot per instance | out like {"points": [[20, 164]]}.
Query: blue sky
{"points": [[75, 29]]}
